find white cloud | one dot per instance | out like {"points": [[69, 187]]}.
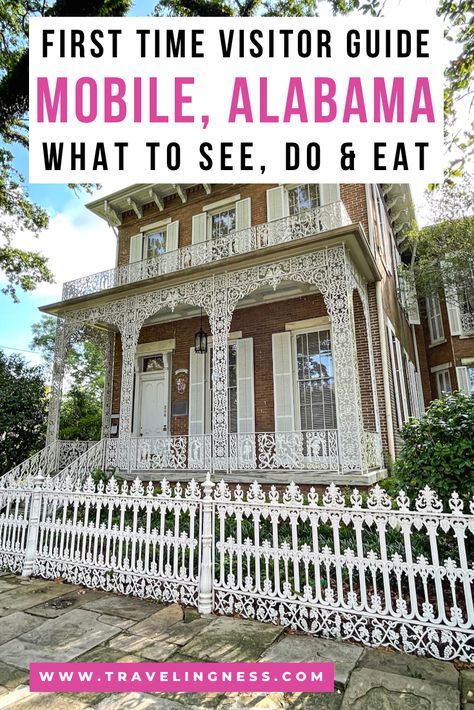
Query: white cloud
{"points": [[76, 242]]}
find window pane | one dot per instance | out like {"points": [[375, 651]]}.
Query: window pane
{"points": [[156, 244], [315, 380], [223, 223], [303, 197]]}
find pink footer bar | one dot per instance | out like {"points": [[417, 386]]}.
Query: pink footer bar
{"points": [[181, 677]]}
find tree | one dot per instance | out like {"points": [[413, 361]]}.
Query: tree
{"points": [[459, 24], [17, 212], [22, 410], [443, 252], [81, 408], [438, 450]]}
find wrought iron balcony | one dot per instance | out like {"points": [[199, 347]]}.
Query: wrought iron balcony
{"points": [[304, 224]]}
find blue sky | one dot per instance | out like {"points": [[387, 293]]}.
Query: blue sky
{"points": [[16, 319], [77, 242]]}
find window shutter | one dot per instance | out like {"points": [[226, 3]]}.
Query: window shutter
{"points": [[282, 382], [136, 248], [199, 228], [329, 193], [243, 217], [196, 393], [277, 203], [454, 315], [172, 234], [245, 386], [464, 381]]}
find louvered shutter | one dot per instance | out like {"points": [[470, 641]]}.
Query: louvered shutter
{"points": [[328, 193], [172, 236], [243, 216], [277, 203], [282, 382], [199, 228], [197, 393], [464, 381], [136, 248], [454, 315], [245, 386]]}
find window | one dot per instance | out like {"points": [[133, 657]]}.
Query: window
{"points": [[155, 243], [316, 403], [435, 320], [443, 382], [303, 197], [231, 386], [470, 372], [222, 223]]}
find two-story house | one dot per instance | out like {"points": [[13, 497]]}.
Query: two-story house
{"points": [[255, 330]]}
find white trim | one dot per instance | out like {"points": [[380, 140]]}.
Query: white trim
{"points": [[155, 225], [221, 203], [467, 361], [158, 346], [312, 323], [444, 366]]}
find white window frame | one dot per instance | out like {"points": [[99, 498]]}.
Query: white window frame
{"points": [[431, 308], [296, 395]]}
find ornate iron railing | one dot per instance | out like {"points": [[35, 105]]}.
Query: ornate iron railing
{"points": [[292, 450], [51, 459], [304, 224], [170, 453]]}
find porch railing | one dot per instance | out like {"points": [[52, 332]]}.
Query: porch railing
{"points": [[49, 460], [313, 450], [304, 224], [170, 453]]}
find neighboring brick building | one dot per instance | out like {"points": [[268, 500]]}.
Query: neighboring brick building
{"points": [[315, 354]]}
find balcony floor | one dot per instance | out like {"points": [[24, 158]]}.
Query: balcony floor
{"points": [[282, 478]]}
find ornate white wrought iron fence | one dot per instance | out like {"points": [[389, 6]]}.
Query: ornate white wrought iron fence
{"points": [[15, 499], [381, 571], [304, 224], [376, 572], [172, 453], [123, 539], [315, 450]]}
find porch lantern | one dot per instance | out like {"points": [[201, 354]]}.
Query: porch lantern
{"points": [[200, 340]]}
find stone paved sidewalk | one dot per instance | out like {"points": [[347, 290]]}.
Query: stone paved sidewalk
{"points": [[52, 621]]}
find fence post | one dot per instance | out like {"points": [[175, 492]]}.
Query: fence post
{"points": [[206, 573], [33, 525]]}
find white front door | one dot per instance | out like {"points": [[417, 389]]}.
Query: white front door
{"points": [[153, 405]]}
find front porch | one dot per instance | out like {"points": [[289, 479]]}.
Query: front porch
{"points": [[286, 391]]}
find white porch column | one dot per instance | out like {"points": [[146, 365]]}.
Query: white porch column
{"points": [[338, 299], [109, 351], [220, 317], [130, 326], [60, 351]]}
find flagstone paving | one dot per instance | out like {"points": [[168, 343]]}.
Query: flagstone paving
{"points": [[53, 621]]}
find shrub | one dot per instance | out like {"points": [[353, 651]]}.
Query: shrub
{"points": [[438, 450]]}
